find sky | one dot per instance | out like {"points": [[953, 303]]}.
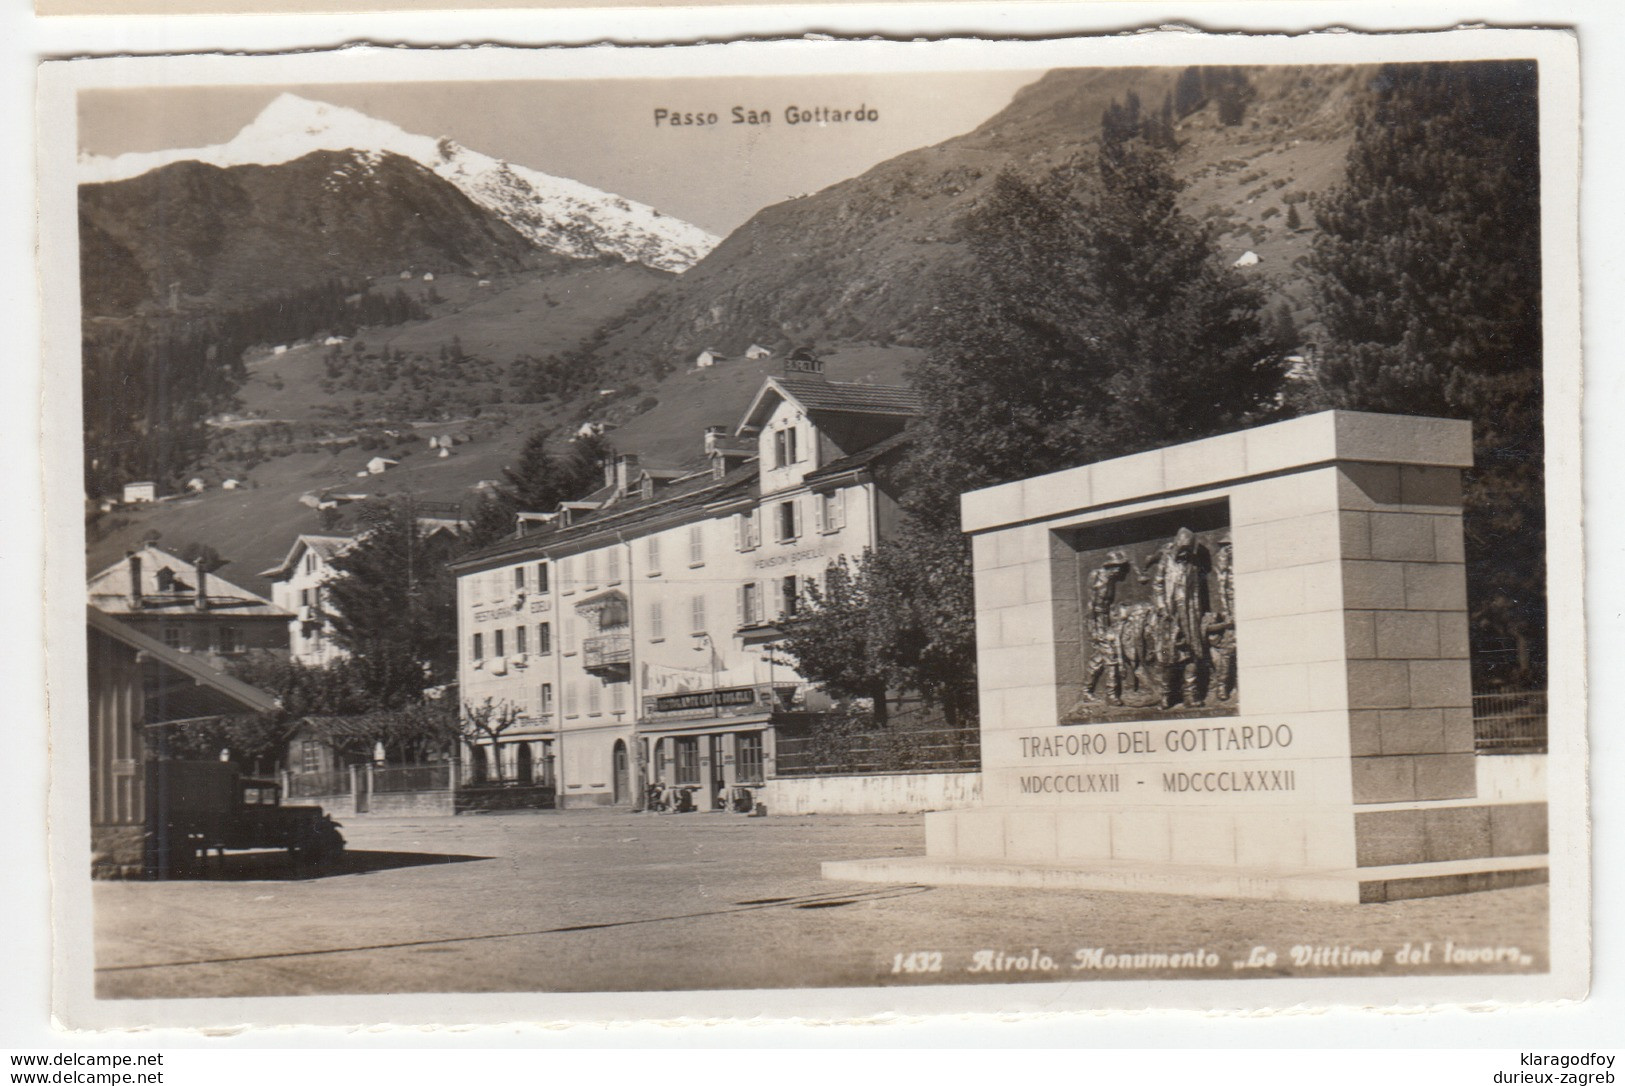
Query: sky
{"points": [[603, 132]]}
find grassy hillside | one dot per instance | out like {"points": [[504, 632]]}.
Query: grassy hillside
{"points": [[253, 528]]}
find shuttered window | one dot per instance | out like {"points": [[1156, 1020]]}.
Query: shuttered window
{"points": [[789, 517], [750, 603]]}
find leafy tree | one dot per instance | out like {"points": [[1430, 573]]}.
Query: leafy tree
{"points": [[412, 732], [201, 554], [254, 741], [483, 725], [829, 638], [1427, 266], [394, 605]]}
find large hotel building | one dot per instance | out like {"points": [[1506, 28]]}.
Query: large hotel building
{"points": [[629, 640]]}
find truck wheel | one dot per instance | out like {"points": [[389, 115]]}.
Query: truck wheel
{"points": [[319, 841]]}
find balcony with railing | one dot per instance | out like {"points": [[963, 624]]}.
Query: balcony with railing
{"points": [[608, 654]]}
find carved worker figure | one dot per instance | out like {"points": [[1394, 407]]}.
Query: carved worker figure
{"points": [[1178, 587], [1221, 628], [1106, 658]]}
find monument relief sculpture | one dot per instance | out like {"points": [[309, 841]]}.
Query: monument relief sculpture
{"points": [[1171, 652]]}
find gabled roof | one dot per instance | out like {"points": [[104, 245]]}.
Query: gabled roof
{"points": [[812, 394], [632, 515], [235, 695], [110, 590], [859, 460], [327, 546]]}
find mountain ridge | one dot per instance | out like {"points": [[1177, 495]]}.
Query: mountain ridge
{"points": [[556, 214], [853, 262]]}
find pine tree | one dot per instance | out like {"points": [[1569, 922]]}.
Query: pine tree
{"points": [[394, 606], [1427, 265], [1094, 319], [1294, 221]]}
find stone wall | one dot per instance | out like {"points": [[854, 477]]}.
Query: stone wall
{"points": [[888, 793]]}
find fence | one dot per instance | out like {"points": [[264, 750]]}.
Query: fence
{"points": [[412, 778], [331, 783], [1510, 722], [377, 789], [903, 750]]}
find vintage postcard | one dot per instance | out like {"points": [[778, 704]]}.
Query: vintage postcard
{"points": [[815, 529]]}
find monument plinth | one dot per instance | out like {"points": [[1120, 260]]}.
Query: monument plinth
{"points": [[1234, 667]]}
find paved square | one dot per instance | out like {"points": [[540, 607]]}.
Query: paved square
{"points": [[609, 900]]}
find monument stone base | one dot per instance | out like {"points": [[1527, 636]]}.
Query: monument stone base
{"points": [[1401, 851], [1234, 667]]}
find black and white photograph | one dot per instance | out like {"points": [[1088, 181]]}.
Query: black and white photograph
{"points": [[1029, 521]]}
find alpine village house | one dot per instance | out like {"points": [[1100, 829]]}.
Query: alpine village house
{"points": [[629, 641]]}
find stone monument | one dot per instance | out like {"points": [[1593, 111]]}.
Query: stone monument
{"points": [[1234, 667]]}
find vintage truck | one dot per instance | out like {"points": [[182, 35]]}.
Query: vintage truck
{"points": [[198, 807]]}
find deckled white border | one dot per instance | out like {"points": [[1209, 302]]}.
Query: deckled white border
{"points": [[61, 451]]}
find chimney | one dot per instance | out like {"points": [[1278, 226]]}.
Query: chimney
{"points": [[201, 601], [134, 561], [626, 470], [714, 436]]}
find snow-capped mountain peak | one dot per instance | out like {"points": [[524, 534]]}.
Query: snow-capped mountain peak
{"points": [[554, 213]]}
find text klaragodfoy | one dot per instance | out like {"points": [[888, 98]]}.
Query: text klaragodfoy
{"points": [[790, 115], [1565, 1072]]}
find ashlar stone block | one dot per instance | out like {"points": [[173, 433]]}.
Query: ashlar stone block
{"points": [[1402, 537], [1205, 463], [1363, 435], [1373, 585], [992, 507], [1367, 486], [1439, 683], [1429, 488], [1290, 444], [1411, 731], [1405, 635], [1384, 779], [1457, 833], [1379, 684], [1445, 776], [1435, 586], [1127, 478], [1360, 634]]}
